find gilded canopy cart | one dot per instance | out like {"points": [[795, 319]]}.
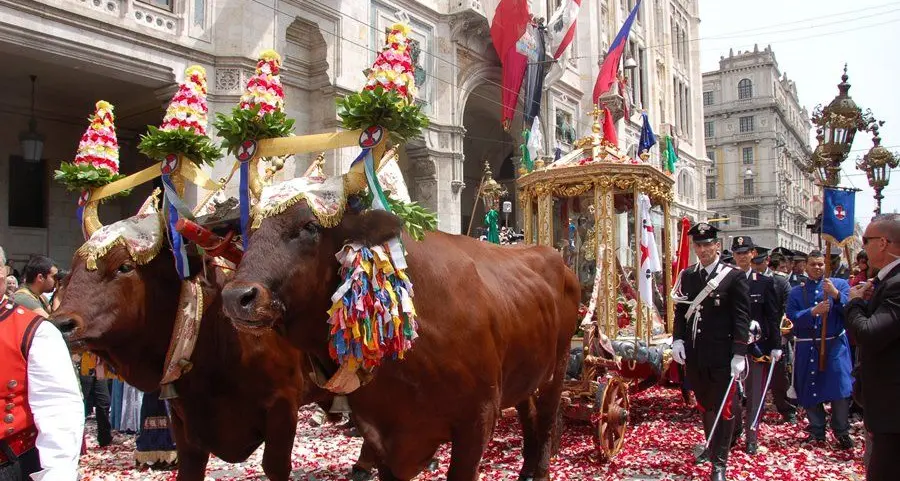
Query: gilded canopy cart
{"points": [[584, 205]]}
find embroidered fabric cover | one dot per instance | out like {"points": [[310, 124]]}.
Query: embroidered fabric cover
{"points": [[391, 179], [142, 235], [325, 198]]}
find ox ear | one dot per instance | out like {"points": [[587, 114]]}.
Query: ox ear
{"points": [[372, 227]]}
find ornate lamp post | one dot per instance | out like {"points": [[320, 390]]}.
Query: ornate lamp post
{"points": [[836, 126], [877, 165]]}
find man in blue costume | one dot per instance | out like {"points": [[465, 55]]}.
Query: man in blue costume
{"points": [[816, 300]]}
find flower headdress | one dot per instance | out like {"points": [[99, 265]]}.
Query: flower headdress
{"points": [[97, 159]]}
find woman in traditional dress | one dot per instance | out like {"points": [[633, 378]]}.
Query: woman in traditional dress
{"points": [[154, 444]]}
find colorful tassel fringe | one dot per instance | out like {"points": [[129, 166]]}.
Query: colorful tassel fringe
{"points": [[373, 315]]}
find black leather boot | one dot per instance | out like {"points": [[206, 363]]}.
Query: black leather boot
{"points": [[719, 448], [708, 419]]}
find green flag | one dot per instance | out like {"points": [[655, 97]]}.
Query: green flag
{"points": [[491, 221], [527, 161], [671, 155]]}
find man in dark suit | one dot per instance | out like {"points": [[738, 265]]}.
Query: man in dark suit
{"points": [[765, 332], [873, 319], [712, 320]]}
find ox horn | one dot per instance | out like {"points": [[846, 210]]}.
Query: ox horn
{"points": [[90, 220], [355, 180]]}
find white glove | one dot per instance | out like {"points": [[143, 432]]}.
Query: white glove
{"points": [[738, 364], [678, 351], [754, 326], [776, 355]]}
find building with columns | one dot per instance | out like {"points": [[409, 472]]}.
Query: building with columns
{"points": [[132, 53], [756, 132]]}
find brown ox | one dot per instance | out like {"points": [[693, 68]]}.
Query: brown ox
{"points": [[495, 326], [244, 388]]}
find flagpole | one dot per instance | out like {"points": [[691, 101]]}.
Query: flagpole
{"points": [[638, 237]]}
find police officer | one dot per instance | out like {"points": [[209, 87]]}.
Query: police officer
{"points": [[798, 275], [711, 333], [781, 266], [765, 331]]}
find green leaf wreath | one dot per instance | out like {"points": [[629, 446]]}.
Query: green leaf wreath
{"points": [[157, 144], [385, 108], [246, 124], [416, 219], [83, 177]]}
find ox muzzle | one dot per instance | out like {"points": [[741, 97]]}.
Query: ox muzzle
{"points": [[250, 304]]}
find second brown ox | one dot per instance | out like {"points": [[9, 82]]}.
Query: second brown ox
{"points": [[495, 326]]}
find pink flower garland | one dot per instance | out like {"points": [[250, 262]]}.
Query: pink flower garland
{"points": [[264, 88], [393, 68], [99, 146], [188, 109]]}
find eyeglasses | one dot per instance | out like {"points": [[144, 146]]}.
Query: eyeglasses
{"points": [[866, 240]]}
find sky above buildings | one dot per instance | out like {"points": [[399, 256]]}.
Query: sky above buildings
{"points": [[812, 39]]}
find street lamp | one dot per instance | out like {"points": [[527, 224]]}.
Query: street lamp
{"points": [[877, 165], [837, 124], [31, 141]]}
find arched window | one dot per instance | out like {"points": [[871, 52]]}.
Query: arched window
{"points": [[745, 89]]}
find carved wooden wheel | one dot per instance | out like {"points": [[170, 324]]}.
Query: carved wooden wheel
{"points": [[611, 415]]}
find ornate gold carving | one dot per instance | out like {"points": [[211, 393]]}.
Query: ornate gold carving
{"points": [[545, 223], [528, 201]]}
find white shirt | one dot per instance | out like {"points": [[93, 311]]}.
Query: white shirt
{"points": [[884, 271], [709, 269], [56, 403]]}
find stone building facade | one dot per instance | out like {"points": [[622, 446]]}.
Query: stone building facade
{"points": [[132, 53], [756, 132]]}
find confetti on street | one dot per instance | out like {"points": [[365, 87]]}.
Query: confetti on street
{"points": [[659, 445]]}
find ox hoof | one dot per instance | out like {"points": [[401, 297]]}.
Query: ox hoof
{"points": [[359, 474]]}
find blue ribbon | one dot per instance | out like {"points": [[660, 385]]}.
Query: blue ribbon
{"points": [[244, 192], [170, 198]]}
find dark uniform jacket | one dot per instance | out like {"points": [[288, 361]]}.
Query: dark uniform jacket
{"points": [[722, 329], [783, 290], [876, 327], [796, 279], [764, 310]]}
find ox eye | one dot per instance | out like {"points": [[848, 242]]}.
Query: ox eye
{"points": [[312, 228], [125, 268]]}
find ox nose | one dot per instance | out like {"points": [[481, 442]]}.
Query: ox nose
{"points": [[245, 301], [66, 325]]}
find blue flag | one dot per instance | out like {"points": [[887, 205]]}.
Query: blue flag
{"points": [[648, 138], [838, 215]]}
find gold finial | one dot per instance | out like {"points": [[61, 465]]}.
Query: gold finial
{"points": [[596, 113]]}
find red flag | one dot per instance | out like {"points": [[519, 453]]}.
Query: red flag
{"points": [[509, 24], [680, 262], [609, 128], [562, 26], [609, 70]]}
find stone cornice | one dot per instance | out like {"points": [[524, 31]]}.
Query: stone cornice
{"points": [[11, 33], [15, 35]]}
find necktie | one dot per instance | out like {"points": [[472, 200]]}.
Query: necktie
{"points": [[703, 275]]}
